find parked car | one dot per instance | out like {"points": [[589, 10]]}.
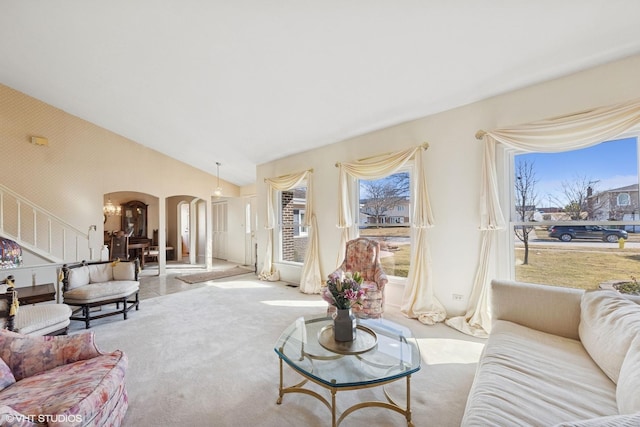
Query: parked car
{"points": [[566, 233]]}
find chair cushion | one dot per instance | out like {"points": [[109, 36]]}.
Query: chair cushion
{"points": [[372, 302], [88, 386], [6, 376], [42, 318], [101, 291], [608, 324]]}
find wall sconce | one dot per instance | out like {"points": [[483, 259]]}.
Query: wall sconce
{"points": [[39, 140]]}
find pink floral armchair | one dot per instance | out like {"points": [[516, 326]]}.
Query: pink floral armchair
{"points": [[60, 380], [363, 255]]}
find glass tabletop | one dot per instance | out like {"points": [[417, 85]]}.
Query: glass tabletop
{"points": [[394, 355]]}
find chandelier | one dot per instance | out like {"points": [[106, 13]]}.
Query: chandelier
{"points": [[110, 209], [217, 193]]}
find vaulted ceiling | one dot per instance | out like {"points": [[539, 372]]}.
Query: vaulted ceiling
{"points": [[244, 82]]}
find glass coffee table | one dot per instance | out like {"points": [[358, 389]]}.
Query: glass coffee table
{"points": [[383, 352]]}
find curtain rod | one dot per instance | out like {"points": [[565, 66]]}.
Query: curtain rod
{"points": [[424, 146], [480, 134], [282, 176]]}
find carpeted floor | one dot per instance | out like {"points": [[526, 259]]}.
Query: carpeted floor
{"points": [[205, 357], [213, 275]]}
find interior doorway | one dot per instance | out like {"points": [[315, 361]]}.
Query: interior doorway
{"points": [[185, 238]]}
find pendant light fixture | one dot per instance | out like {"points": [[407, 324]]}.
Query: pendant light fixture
{"points": [[217, 193], [110, 209]]}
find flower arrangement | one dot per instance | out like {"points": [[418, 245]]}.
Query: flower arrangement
{"points": [[343, 290]]}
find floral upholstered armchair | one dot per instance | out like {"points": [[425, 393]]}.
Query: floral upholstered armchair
{"points": [[60, 380], [363, 255]]}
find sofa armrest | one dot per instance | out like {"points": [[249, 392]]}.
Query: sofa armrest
{"points": [[551, 309], [28, 355]]}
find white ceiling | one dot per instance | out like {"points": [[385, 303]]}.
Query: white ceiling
{"points": [[244, 82]]}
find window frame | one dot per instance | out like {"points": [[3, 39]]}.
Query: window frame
{"points": [[628, 199], [278, 234], [505, 163], [408, 167]]}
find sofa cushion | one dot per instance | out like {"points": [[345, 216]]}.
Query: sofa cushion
{"points": [[609, 421], [88, 386], [42, 318], [608, 324], [627, 393], [124, 271], [531, 378], [78, 277], [100, 272], [95, 292], [6, 376]]}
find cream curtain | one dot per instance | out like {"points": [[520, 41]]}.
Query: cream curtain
{"points": [[418, 300], [310, 278], [565, 133]]}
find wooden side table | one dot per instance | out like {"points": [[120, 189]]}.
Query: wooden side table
{"points": [[36, 294]]}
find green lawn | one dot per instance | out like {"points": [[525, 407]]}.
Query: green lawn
{"points": [[585, 268]]}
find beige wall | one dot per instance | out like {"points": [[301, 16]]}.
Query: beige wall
{"points": [[452, 167], [83, 162]]}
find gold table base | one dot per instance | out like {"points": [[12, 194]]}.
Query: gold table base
{"points": [[299, 388]]}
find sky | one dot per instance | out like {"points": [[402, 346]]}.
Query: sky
{"points": [[613, 164]]}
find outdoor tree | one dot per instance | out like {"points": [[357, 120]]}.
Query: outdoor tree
{"points": [[526, 199], [576, 198], [383, 195]]}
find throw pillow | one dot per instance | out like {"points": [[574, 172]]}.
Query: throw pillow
{"points": [[124, 271], [78, 277], [608, 324], [6, 376], [627, 394], [100, 273]]}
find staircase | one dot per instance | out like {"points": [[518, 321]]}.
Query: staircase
{"points": [[39, 231]]}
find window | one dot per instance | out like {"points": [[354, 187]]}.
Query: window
{"points": [[384, 206], [570, 212], [624, 199], [293, 235], [298, 218]]}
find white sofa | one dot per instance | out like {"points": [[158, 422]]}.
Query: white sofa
{"points": [[32, 319], [558, 357]]}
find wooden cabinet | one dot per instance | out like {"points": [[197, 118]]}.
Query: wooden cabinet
{"points": [[134, 218]]}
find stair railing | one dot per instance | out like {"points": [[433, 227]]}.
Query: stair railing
{"points": [[39, 230]]}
